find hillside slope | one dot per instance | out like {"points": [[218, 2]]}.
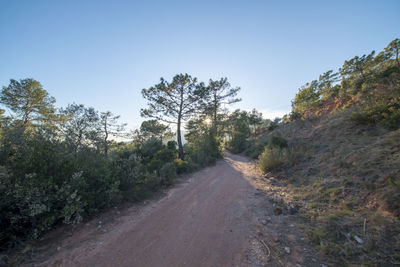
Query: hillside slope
{"points": [[345, 179]]}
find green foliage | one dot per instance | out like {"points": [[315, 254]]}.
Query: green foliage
{"points": [[43, 185], [156, 154], [134, 178], [255, 120], [174, 102], [204, 151], [391, 182], [110, 127], [154, 165], [307, 98], [240, 131], [81, 127], [276, 140], [165, 155], [279, 151], [153, 128], [182, 166], [28, 100], [168, 173], [195, 128], [149, 148], [272, 125], [272, 158], [357, 66], [382, 104], [215, 94], [61, 175], [171, 145], [368, 82], [393, 51], [238, 143], [255, 147]]}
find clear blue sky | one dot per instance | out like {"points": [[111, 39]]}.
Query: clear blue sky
{"points": [[102, 53]]}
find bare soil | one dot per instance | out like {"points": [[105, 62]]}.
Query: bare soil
{"points": [[220, 216]]}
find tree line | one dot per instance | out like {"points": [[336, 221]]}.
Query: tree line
{"points": [[369, 83]]}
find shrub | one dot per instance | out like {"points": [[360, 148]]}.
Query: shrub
{"points": [[277, 140], [172, 145], [182, 166], [255, 148], [385, 114], [155, 165], [240, 133], [165, 155], [272, 158], [274, 124], [133, 176], [150, 147], [101, 187], [294, 116], [295, 149], [238, 143], [152, 183], [204, 151], [71, 192], [26, 209], [168, 173], [306, 99]]}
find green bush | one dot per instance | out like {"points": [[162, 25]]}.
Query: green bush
{"points": [[165, 155], [254, 148], [277, 140], [134, 176], [182, 166], [149, 148], [272, 158], [155, 165], [152, 183], [238, 143], [168, 173], [26, 208], [241, 131], [379, 113], [71, 192], [43, 184], [171, 145], [32, 205], [307, 98], [204, 151]]}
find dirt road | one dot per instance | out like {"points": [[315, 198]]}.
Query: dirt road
{"points": [[210, 219]]}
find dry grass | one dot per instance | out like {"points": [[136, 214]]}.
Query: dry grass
{"points": [[348, 183]]}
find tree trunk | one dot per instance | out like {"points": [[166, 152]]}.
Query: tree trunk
{"points": [[178, 134], [106, 145], [105, 138], [179, 137], [215, 114], [26, 117]]}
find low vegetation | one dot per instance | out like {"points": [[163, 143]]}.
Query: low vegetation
{"points": [[338, 156]]}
